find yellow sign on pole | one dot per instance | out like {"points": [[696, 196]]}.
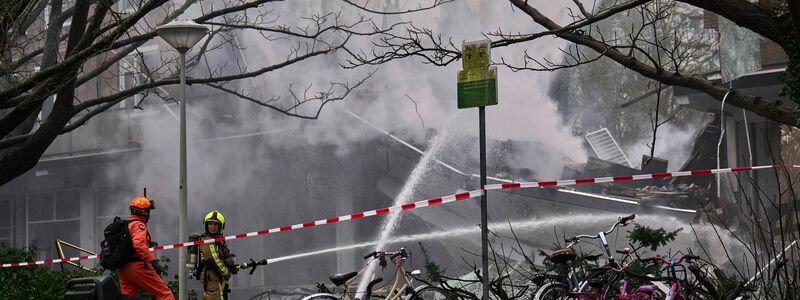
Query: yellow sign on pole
{"points": [[475, 54], [477, 82], [477, 74]]}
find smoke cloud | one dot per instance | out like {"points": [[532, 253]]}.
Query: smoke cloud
{"points": [[248, 161]]}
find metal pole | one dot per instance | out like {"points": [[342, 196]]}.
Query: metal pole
{"points": [[484, 213], [182, 288]]}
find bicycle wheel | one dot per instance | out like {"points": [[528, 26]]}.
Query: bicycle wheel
{"points": [[598, 282], [321, 296], [427, 292], [552, 291], [610, 289], [612, 292]]}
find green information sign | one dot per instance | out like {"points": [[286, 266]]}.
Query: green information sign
{"points": [[477, 87], [477, 83]]}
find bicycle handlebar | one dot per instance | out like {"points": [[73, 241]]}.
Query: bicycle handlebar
{"points": [[620, 222], [624, 221], [625, 251], [647, 260], [371, 255], [690, 258], [659, 258], [402, 253], [392, 255]]}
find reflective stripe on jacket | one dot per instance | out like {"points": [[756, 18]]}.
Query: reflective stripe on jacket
{"points": [[212, 256]]}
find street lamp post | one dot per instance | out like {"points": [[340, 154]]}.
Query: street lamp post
{"points": [[182, 35]]}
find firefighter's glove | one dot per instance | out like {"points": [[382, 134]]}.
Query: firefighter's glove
{"points": [[231, 265], [157, 267]]}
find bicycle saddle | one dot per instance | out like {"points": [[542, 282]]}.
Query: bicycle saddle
{"points": [[562, 256], [339, 279], [647, 289], [592, 257]]}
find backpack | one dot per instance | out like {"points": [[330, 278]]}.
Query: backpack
{"points": [[117, 247]]}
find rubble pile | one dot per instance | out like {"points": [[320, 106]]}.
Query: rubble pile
{"points": [[680, 195]]}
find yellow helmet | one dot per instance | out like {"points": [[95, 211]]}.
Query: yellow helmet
{"points": [[214, 216]]}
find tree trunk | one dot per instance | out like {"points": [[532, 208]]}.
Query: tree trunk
{"points": [[22, 158]]}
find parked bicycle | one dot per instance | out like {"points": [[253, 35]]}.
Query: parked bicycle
{"points": [[672, 268], [401, 288], [591, 286], [617, 282], [626, 289]]}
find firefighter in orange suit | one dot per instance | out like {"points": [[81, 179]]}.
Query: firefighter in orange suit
{"points": [[143, 272], [216, 263]]}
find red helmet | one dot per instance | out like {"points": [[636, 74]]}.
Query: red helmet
{"points": [[142, 202], [141, 206]]}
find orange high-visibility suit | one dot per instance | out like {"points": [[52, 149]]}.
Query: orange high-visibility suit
{"points": [[138, 274]]}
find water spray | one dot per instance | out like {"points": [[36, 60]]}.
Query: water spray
{"points": [[516, 226], [393, 219], [415, 149]]}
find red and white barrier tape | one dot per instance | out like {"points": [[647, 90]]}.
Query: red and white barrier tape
{"points": [[566, 182], [424, 203], [380, 211]]}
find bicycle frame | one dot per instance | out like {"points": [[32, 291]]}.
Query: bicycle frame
{"points": [[675, 288], [611, 261], [625, 293], [577, 289], [345, 295], [674, 291], [400, 285], [399, 278], [638, 294]]}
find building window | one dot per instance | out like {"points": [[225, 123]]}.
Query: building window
{"points": [[52, 215], [112, 202], [65, 5], [136, 69], [6, 222], [47, 107], [129, 6], [129, 77]]}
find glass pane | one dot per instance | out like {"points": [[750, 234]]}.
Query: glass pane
{"points": [[40, 207], [70, 232], [102, 222], [113, 201], [129, 5], [5, 210], [68, 205], [5, 233], [43, 236], [740, 50]]}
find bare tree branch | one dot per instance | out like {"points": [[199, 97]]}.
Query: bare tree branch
{"points": [[775, 111], [363, 7]]}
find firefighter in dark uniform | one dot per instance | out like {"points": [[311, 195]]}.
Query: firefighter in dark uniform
{"points": [[216, 264]]}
